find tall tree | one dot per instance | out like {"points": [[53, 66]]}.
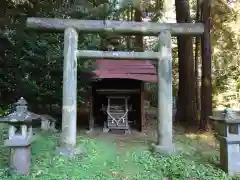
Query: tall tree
{"points": [[206, 90], [186, 101], [196, 60], [139, 38]]}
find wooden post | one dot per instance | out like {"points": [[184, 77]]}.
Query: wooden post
{"points": [[69, 106], [165, 134], [91, 116], [142, 123]]}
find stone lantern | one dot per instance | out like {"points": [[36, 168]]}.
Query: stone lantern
{"points": [[19, 142], [227, 127]]}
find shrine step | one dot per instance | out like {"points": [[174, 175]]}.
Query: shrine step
{"points": [[117, 131]]}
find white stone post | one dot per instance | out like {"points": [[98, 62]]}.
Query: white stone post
{"points": [[45, 124], [11, 131], [53, 126], [69, 106], [30, 131], [24, 130]]}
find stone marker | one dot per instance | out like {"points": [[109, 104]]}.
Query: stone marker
{"points": [[48, 123]]}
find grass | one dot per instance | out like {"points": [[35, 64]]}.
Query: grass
{"points": [[105, 161]]}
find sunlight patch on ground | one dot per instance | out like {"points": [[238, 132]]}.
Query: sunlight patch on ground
{"points": [[207, 138]]}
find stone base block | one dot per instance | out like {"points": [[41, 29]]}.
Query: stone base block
{"points": [[105, 130], [164, 150], [70, 151], [89, 131]]}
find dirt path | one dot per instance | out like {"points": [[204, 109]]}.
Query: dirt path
{"points": [[143, 140]]}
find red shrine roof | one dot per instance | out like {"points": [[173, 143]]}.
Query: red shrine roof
{"points": [[142, 70]]}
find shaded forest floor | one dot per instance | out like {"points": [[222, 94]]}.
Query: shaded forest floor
{"points": [[119, 157]]}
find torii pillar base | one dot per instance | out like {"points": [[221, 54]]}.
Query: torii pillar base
{"points": [[164, 150], [68, 151]]}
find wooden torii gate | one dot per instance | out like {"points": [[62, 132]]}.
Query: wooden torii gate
{"points": [[164, 31]]}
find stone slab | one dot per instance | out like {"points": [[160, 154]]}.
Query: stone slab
{"points": [[18, 141]]}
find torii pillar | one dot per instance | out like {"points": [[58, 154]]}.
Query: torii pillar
{"points": [[69, 104]]}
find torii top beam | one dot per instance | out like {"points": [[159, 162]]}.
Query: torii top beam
{"points": [[122, 27]]}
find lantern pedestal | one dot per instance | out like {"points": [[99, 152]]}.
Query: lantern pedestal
{"points": [[20, 154], [69, 151]]}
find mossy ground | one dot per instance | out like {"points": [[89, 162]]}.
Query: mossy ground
{"points": [[118, 157], [113, 158]]}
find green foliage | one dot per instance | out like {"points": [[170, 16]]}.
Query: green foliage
{"points": [[32, 66], [105, 161], [225, 43], [2, 111]]}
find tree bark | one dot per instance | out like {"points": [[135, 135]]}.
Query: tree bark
{"points": [[186, 101], [206, 88], [196, 61], [128, 38], [138, 38]]}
